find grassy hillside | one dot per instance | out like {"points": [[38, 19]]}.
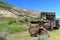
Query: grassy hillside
{"points": [[18, 11], [14, 25], [18, 26], [5, 5]]}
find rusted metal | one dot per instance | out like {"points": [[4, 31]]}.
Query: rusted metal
{"points": [[50, 25]]}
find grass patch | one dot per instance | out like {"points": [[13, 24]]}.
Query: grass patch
{"points": [[16, 28], [34, 19], [13, 28], [5, 5], [14, 25], [54, 35]]}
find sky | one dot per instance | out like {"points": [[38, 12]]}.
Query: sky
{"points": [[38, 5]]}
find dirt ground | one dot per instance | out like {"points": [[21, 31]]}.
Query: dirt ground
{"points": [[54, 35]]}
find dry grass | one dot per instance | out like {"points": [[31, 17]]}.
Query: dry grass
{"points": [[54, 35]]}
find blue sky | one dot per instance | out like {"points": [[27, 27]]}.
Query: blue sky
{"points": [[38, 5]]}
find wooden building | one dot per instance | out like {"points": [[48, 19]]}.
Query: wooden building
{"points": [[47, 15]]}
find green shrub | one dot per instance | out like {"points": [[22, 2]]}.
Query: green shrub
{"points": [[11, 22], [21, 21], [34, 19]]}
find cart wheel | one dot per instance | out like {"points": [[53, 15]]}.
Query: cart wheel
{"points": [[33, 31]]}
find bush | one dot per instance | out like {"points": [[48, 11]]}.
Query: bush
{"points": [[34, 19], [21, 21], [11, 22]]}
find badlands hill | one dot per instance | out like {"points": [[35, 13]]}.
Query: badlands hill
{"points": [[7, 10]]}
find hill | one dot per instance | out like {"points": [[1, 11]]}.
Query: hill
{"points": [[7, 10]]}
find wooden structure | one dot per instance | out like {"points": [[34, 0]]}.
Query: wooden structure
{"points": [[50, 24], [47, 15]]}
